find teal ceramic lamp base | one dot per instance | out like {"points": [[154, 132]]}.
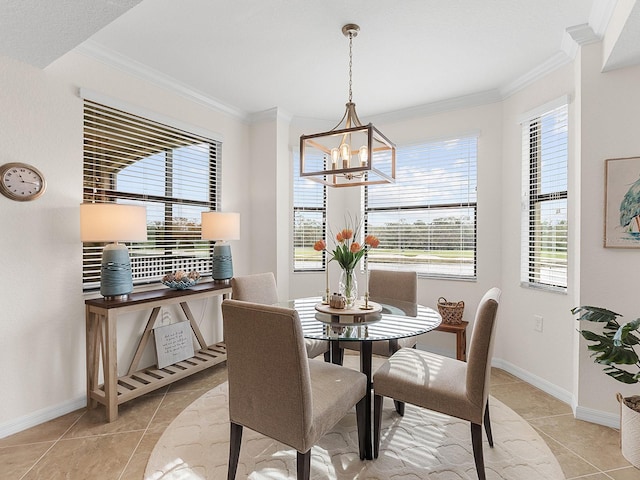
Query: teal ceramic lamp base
{"points": [[115, 273], [222, 264]]}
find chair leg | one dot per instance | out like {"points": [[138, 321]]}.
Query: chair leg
{"points": [[487, 425], [361, 418], [327, 356], [304, 465], [399, 407], [377, 423], [476, 442], [234, 450]]}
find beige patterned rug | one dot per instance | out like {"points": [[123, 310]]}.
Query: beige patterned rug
{"points": [[420, 445]]}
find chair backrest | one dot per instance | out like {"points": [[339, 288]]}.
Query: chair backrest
{"points": [[256, 288], [481, 348], [269, 383], [395, 285]]}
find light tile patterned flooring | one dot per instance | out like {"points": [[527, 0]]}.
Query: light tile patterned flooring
{"points": [[81, 446]]}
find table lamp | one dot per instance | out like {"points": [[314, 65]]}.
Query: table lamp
{"points": [[114, 222], [220, 227]]}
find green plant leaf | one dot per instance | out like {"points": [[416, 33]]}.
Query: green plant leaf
{"points": [[623, 335], [607, 352], [595, 314], [615, 346], [622, 375]]}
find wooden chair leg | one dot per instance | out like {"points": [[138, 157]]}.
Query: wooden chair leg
{"points": [[361, 418], [234, 450], [304, 465], [399, 407], [487, 425], [476, 442], [378, 400]]}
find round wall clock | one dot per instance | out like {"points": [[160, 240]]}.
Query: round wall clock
{"points": [[22, 182]]}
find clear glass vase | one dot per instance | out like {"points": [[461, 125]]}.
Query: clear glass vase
{"points": [[348, 286]]}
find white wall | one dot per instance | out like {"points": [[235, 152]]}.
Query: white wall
{"points": [[609, 277], [43, 342], [547, 356]]}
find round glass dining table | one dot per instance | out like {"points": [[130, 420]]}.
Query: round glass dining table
{"points": [[390, 320]]}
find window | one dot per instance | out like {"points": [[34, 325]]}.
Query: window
{"points": [[173, 173], [426, 221], [544, 222], [309, 220]]}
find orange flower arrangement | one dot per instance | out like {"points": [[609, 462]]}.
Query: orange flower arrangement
{"points": [[347, 251]]}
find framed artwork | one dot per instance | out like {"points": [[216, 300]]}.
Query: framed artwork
{"points": [[622, 203]]}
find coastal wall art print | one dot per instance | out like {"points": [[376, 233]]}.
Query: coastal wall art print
{"points": [[622, 203]]}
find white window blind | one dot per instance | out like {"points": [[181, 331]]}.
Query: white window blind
{"points": [[309, 220], [544, 222], [426, 221], [173, 173]]}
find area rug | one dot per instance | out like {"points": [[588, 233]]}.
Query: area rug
{"points": [[420, 445]]}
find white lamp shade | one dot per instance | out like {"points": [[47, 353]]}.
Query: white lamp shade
{"points": [[112, 222], [220, 226]]}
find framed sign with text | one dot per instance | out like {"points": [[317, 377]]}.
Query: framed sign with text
{"points": [[174, 343]]}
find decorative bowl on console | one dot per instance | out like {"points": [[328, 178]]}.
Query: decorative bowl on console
{"points": [[180, 280]]}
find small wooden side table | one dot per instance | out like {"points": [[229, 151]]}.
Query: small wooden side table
{"points": [[460, 329]]}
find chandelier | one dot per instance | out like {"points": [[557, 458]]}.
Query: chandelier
{"points": [[350, 154]]}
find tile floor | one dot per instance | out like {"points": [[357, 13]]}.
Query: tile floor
{"points": [[81, 446]]}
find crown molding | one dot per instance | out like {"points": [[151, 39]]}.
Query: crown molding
{"points": [[573, 38], [449, 104], [137, 69], [558, 60], [270, 115], [583, 34], [601, 12]]}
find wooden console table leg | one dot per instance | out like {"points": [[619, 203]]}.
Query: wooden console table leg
{"points": [[110, 366], [93, 359]]}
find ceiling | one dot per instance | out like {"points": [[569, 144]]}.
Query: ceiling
{"points": [[248, 56]]}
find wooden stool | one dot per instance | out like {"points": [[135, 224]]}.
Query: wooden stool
{"points": [[460, 329]]}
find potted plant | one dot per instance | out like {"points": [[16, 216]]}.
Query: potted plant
{"points": [[615, 348]]}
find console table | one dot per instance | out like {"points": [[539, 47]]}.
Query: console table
{"points": [[101, 339]]}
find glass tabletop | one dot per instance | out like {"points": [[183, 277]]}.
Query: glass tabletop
{"points": [[396, 320]]}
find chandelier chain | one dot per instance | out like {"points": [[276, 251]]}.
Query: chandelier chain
{"points": [[350, 63]]}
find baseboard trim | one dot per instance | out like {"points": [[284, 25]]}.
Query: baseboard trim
{"points": [[597, 416], [581, 413], [41, 416], [538, 382]]}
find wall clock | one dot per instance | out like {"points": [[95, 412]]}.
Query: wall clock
{"points": [[22, 182]]}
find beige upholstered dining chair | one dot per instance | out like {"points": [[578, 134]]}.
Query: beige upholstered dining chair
{"points": [[256, 288], [275, 390], [444, 384], [399, 288], [262, 288]]}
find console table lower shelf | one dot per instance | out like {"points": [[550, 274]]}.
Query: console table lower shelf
{"points": [[101, 338], [150, 379]]}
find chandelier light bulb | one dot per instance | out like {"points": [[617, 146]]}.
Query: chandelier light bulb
{"points": [[345, 153], [335, 155], [363, 153]]}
